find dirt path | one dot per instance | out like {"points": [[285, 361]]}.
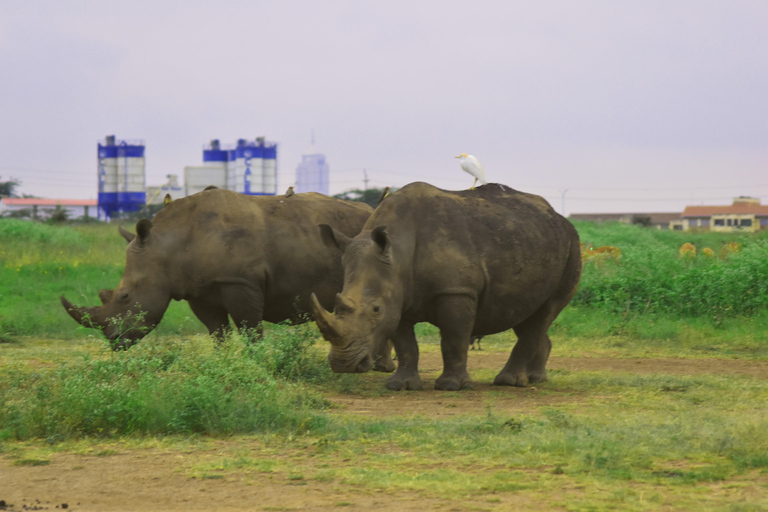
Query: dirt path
{"points": [[157, 480]]}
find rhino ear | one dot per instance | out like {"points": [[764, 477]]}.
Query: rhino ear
{"points": [[126, 234], [380, 238], [333, 238], [142, 229]]}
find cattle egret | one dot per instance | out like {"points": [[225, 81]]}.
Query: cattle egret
{"points": [[470, 165], [289, 192], [384, 193]]}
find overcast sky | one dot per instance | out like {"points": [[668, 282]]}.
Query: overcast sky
{"points": [[627, 105]]}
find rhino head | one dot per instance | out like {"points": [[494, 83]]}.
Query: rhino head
{"points": [[138, 303], [367, 311]]}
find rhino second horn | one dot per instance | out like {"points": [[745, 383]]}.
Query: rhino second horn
{"points": [[326, 322]]}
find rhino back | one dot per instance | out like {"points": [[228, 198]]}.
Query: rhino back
{"points": [[506, 248], [269, 241]]}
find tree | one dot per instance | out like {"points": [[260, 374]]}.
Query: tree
{"points": [[8, 188], [369, 196]]}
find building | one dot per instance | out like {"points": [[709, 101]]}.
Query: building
{"points": [[250, 167], [42, 208], [122, 179], [156, 195], [657, 220], [312, 173], [745, 214]]}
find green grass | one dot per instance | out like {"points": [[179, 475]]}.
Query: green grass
{"points": [[619, 441], [169, 386]]}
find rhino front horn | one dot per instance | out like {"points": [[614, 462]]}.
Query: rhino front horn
{"points": [[326, 322], [79, 314]]}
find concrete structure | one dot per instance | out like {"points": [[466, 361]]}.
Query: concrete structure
{"points": [[42, 208], [312, 173], [122, 176], [745, 214], [156, 195], [657, 220], [250, 167]]}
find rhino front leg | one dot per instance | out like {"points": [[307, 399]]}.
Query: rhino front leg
{"points": [[213, 316], [383, 359], [245, 305], [407, 374], [455, 316]]}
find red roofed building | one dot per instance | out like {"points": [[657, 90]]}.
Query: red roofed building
{"points": [[41, 208], [745, 214]]}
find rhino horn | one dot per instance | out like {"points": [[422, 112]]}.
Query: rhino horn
{"points": [[327, 323], [126, 234], [83, 316]]}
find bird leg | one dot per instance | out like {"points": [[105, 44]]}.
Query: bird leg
{"points": [[473, 185]]}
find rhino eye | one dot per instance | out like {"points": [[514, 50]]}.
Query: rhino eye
{"points": [[376, 309]]}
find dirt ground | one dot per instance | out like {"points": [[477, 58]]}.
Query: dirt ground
{"points": [[162, 480]]}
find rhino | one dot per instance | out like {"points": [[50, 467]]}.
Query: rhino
{"points": [[472, 263], [251, 258]]}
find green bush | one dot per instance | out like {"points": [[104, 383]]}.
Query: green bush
{"points": [[651, 277], [171, 387]]}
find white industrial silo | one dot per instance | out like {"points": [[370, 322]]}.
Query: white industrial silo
{"points": [[131, 176], [107, 174]]}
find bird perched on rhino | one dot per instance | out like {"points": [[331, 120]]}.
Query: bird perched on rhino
{"points": [[167, 200], [289, 192], [472, 166], [384, 193]]}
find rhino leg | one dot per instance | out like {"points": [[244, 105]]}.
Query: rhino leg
{"points": [[455, 317], [245, 305], [527, 363], [407, 374], [383, 360], [213, 316]]}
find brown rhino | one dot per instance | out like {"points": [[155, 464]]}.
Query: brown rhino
{"points": [[251, 258], [472, 263]]}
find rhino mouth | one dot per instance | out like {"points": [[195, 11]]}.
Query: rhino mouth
{"points": [[361, 362]]}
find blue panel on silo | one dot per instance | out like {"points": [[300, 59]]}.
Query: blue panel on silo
{"points": [[215, 155], [107, 176], [270, 151]]}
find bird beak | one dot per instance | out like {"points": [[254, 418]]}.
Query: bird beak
{"points": [[457, 156]]}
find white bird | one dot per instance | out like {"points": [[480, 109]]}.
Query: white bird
{"points": [[470, 165]]}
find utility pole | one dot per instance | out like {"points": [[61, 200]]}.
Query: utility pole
{"points": [[365, 179], [562, 211]]}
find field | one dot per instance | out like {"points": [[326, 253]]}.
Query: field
{"points": [[656, 399]]}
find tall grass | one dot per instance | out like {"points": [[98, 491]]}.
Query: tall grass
{"points": [[38, 263], [165, 386], [650, 277]]}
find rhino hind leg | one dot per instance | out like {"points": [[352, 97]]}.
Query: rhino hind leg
{"points": [[528, 361]]}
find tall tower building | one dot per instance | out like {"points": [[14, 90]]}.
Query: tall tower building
{"points": [[121, 173], [312, 174]]}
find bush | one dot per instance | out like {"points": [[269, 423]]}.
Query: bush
{"points": [[171, 387]]}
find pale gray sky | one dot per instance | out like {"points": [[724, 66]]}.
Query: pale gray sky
{"points": [[627, 105]]}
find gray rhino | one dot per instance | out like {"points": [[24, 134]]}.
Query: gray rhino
{"points": [[251, 258], [472, 263]]}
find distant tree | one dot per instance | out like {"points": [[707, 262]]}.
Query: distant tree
{"points": [[24, 213], [642, 220], [8, 188], [370, 196], [58, 215]]}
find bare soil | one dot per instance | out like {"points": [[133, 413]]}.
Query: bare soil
{"points": [[154, 479]]}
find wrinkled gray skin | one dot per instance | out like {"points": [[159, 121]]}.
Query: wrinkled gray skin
{"points": [[472, 263], [251, 258]]}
